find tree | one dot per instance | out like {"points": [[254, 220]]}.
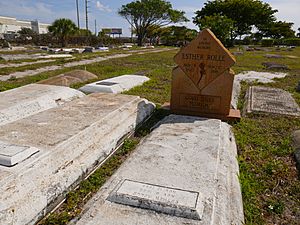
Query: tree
{"points": [[221, 26], [143, 14], [298, 35], [278, 30], [62, 29], [83, 32], [153, 34], [246, 14], [26, 34], [177, 35]]}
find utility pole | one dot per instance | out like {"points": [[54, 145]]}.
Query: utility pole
{"points": [[77, 14], [86, 15], [131, 30], [95, 27]]}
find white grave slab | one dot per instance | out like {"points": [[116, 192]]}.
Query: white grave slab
{"points": [[28, 100], [72, 140], [159, 183], [11, 154], [115, 85], [252, 76]]}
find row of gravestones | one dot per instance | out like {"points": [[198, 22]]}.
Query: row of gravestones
{"points": [[186, 170], [154, 178]]}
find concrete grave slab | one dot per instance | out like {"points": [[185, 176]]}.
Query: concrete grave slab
{"points": [[270, 101], [11, 154], [72, 140], [24, 101], [251, 76], [185, 172], [296, 145], [55, 56], [70, 78], [273, 56], [274, 65], [115, 85]]}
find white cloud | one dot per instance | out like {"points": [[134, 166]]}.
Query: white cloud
{"points": [[102, 7], [288, 11]]}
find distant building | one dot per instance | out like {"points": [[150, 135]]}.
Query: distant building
{"points": [[10, 25]]}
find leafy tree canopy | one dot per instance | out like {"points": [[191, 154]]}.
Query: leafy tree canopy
{"points": [[27, 32], [63, 28], [178, 34], [244, 13], [83, 32], [143, 14], [278, 30], [221, 26]]}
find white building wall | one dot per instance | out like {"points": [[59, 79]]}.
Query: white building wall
{"points": [[12, 25]]}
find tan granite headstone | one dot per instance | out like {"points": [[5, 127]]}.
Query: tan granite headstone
{"points": [[202, 83]]}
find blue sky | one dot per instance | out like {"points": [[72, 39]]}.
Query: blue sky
{"points": [[105, 11]]}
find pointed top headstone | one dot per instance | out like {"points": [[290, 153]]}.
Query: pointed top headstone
{"points": [[203, 81], [204, 59]]}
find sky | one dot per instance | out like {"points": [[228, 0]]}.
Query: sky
{"points": [[105, 11]]}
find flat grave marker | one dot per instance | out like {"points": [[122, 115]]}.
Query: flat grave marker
{"points": [[114, 85], [11, 154], [175, 202], [271, 101]]}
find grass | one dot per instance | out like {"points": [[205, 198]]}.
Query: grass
{"points": [[75, 200], [268, 174], [269, 179], [77, 57]]}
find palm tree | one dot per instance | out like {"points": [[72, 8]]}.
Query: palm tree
{"points": [[63, 28]]}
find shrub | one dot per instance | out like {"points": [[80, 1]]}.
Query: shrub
{"points": [[267, 42], [292, 41]]}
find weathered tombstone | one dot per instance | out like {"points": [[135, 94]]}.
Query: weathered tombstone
{"points": [[298, 87], [274, 56], [276, 66], [114, 85], [296, 145], [265, 100], [88, 50], [44, 155], [202, 83], [184, 172], [70, 78]]}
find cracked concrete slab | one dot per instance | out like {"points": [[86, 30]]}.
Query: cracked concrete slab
{"points": [[251, 76], [30, 99], [184, 157], [71, 139]]}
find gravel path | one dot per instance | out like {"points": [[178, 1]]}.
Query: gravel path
{"points": [[72, 64], [24, 63]]}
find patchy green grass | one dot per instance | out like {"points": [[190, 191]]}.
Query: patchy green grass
{"points": [[77, 57], [75, 200], [268, 175]]}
